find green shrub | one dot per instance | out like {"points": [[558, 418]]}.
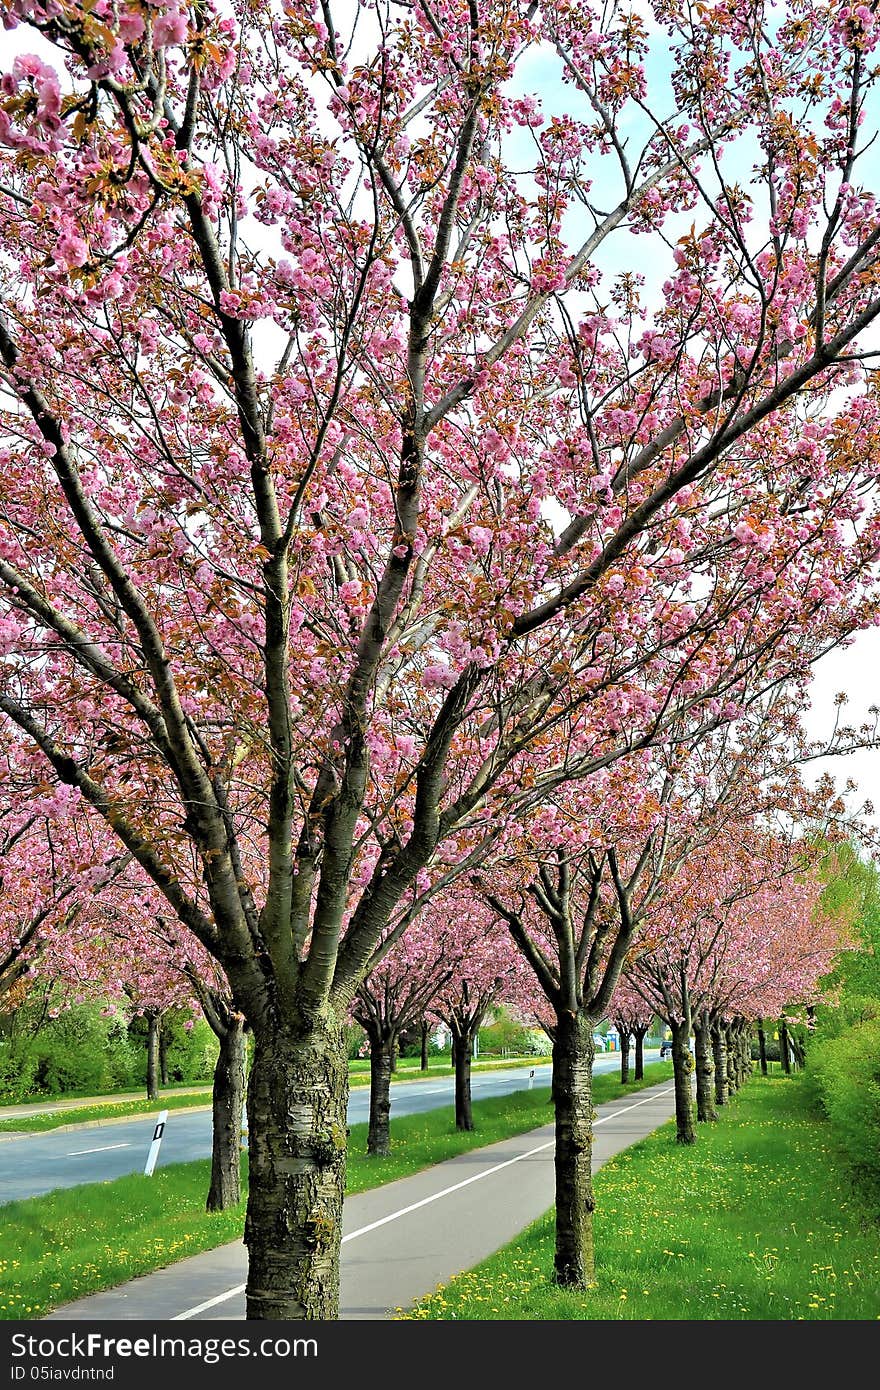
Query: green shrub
{"points": [[191, 1053], [844, 1073], [71, 1052], [505, 1035], [17, 1071]]}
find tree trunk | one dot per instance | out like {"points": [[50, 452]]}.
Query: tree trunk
{"points": [[153, 1026], [682, 1066], [784, 1058], [705, 1070], [381, 1059], [762, 1048], [730, 1050], [719, 1057], [297, 1098], [639, 1063], [744, 1049], [163, 1054], [461, 1060], [395, 1054], [425, 1034], [624, 1058], [573, 1051], [228, 1105]]}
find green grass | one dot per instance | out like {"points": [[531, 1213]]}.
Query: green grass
{"points": [[757, 1221], [33, 1124], [78, 1240], [359, 1075]]}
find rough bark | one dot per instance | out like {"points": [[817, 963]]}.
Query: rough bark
{"points": [[153, 1027], [719, 1057], [228, 1109], [425, 1035], [682, 1067], [297, 1098], [730, 1046], [462, 1044], [573, 1051], [705, 1071], [743, 1052]]}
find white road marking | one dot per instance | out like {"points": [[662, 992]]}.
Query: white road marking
{"points": [[425, 1202], [102, 1150]]}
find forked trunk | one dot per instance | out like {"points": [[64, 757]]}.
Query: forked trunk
{"points": [[704, 1069], [297, 1098], [228, 1107], [461, 1060], [573, 1051], [682, 1067]]}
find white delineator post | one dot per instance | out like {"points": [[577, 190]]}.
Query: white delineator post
{"points": [[157, 1140], [531, 1078]]}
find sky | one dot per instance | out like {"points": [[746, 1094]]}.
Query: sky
{"points": [[854, 670]]}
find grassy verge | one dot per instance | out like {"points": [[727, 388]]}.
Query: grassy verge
{"points": [[110, 1109], [78, 1240], [757, 1221]]}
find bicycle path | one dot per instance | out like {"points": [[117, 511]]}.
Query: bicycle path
{"points": [[402, 1239]]}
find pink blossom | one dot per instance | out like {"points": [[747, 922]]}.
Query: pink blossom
{"points": [[169, 29], [71, 250]]}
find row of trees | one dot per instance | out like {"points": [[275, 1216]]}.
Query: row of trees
{"points": [[373, 537]]}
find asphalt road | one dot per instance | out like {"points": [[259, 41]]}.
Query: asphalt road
{"points": [[399, 1240], [37, 1163]]}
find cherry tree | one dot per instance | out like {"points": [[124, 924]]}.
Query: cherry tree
{"points": [[394, 995], [137, 952], [53, 867], [352, 492], [576, 938], [632, 1018], [484, 970]]}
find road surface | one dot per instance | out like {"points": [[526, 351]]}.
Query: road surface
{"points": [[399, 1240], [38, 1163]]}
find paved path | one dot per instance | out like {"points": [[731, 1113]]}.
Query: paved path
{"points": [[400, 1240]]}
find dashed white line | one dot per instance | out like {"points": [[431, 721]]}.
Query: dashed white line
{"points": [[414, 1206], [102, 1150]]}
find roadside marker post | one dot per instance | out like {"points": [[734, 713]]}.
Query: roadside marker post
{"points": [[531, 1078], [157, 1140]]}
